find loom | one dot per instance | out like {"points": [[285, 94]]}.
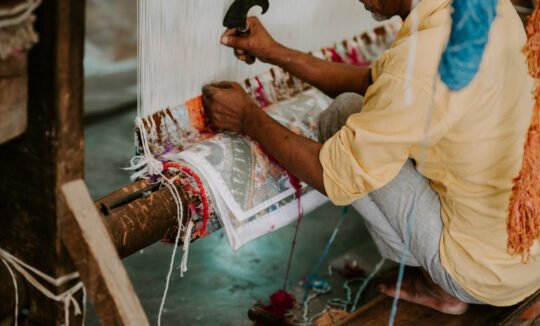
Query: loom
{"points": [[47, 215]]}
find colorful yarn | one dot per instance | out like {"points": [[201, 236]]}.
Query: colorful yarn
{"points": [[204, 198], [461, 60], [314, 281], [351, 270], [523, 225], [297, 185], [334, 55], [260, 94], [281, 302]]}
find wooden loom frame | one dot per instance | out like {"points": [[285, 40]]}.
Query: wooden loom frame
{"points": [[46, 214]]}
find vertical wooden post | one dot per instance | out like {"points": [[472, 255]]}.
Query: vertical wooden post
{"points": [[49, 154]]}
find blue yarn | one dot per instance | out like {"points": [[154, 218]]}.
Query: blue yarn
{"points": [[313, 280], [461, 60]]}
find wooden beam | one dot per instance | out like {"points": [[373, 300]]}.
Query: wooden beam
{"points": [[139, 215], [100, 268], [377, 312], [48, 155]]}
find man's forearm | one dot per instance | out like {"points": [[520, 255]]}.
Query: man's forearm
{"points": [[297, 154], [331, 78]]}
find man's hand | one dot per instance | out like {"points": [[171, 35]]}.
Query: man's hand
{"points": [[229, 107], [259, 43]]}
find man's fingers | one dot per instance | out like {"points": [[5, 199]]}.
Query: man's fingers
{"points": [[210, 91], [241, 43], [230, 32], [223, 85], [252, 21]]}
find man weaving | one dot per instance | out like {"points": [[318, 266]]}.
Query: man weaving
{"points": [[446, 161]]}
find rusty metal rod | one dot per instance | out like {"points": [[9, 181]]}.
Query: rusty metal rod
{"points": [[140, 215]]}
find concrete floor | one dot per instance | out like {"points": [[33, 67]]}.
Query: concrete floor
{"points": [[221, 285]]}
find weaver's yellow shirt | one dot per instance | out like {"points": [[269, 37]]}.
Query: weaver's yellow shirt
{"points": [[474, 146]]}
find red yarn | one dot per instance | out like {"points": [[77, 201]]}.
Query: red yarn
{"points": [[281, 302], [261, 94], [297, 185], [334, 56], [204, 197]]}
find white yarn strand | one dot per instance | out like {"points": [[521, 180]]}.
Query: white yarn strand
{"points": [[187, 242], [172, 188], [179, 48], [147, 166], [66, 297], [16, 290], [368, 279]]}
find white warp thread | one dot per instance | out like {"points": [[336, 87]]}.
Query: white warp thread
{"points": [[147, 166], [16, 290], [66, 297], [187, 241], [179, 42]]}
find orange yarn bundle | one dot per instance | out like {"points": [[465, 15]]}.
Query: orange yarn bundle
{"points": [[523, 224]]}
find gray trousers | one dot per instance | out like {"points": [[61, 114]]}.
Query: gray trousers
{"points": [[406, 206]]}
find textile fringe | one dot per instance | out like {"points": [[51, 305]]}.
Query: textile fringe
{"points": [[523, 225]]}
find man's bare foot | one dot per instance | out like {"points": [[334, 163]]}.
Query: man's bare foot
{"points": [[420, 289]]}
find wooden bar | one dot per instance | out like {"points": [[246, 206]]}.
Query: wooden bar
{"points": [[97, 261], [49, 154], [377, 312]]}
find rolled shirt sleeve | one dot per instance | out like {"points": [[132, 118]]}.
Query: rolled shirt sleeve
{"points": [[370, 150]]}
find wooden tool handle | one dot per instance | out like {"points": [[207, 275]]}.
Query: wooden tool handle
{"points": [[249, 58]]}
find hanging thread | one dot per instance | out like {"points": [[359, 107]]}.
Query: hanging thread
{"points": [[314, 275], [66, 298], [365, 283], [147, 167], [187, 240], [298, 187], [16, 293]]}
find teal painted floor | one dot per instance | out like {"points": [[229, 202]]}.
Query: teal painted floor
{"points": [[220, 285]]}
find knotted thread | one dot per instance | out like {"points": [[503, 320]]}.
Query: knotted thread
{"points": [[471, 23], [147, 167], [66, 297]]}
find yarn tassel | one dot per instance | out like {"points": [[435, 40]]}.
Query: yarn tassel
{"points": [[523, 225], [471, 23], [187, 242]]}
